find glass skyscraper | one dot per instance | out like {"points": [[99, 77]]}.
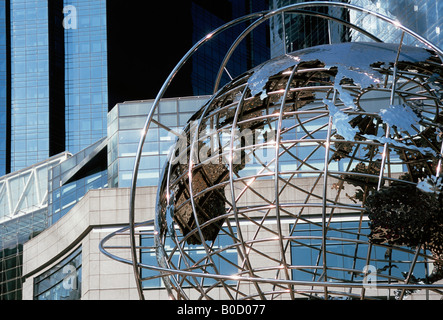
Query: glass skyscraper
{"points": [[31, 64], [59, 78], [424, 17], [206, 17], [72, 61], [55, 82], [4, 92]]}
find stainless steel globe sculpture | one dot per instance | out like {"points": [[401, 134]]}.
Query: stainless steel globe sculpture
{"points": [[313, 175]]}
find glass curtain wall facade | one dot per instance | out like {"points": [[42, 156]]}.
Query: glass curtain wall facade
{"points": [[205, 64], [30, 82], [125, 123], [58, 78], [303, 31], [424, 17], [4, 86], [86, 66], [23, 215], [62, 282]]}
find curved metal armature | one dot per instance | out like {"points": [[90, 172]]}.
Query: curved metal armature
{"points": [[285, 92]]}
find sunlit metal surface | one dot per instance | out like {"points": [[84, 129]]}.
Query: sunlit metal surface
{"points": [[312, 139]]}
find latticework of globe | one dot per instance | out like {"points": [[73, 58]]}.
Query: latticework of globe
{"points": [[341, 144], [313, 175]]}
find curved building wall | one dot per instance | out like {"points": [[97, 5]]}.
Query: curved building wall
{"points": [[99, 213]]}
